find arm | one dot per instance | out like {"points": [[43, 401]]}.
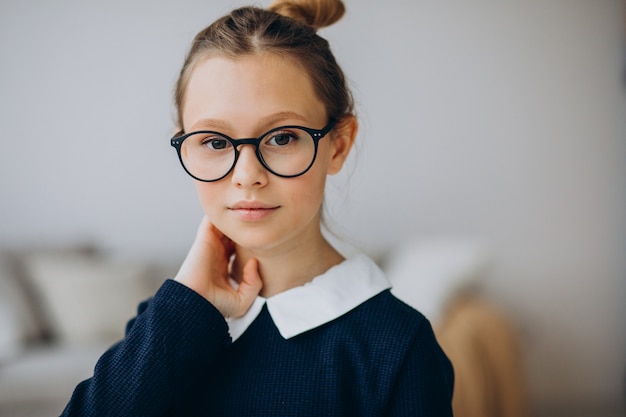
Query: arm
{"points": [[425, 382], [177, 334]]}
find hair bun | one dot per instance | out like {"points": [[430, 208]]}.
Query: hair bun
{"points": [[315, 13]]}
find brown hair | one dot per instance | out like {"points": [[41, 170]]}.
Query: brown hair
{"points": [[288, 28]]}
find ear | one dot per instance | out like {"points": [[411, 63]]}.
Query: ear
{"points": [[343, 137]]}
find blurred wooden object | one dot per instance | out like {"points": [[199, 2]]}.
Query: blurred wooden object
{"points": [[484, 349]]}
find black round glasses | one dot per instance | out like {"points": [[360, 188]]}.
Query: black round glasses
{"points": [[285, 151]]}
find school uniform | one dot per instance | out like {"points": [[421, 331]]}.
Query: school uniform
{"points": [[341, 345]]}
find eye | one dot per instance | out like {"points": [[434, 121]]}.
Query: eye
{"points": [[215, 143], [281, 138]]}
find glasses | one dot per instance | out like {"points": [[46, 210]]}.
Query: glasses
{"points": [[286, 151]]}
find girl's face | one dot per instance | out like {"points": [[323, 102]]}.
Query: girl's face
{"points": [[245, 98]]}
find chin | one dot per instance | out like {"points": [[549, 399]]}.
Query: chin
{"points": [[254, 238]]}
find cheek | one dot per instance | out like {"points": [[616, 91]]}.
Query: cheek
{"points": [[308, 190], [208, 194], [323, 159]]}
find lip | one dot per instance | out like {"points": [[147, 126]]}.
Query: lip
{"points": [[252, 210]]}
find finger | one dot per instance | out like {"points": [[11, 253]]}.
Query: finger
{"points": [[228, 244], [215, 230], [205, 226], [249, 287]]}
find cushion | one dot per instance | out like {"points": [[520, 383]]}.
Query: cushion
{"points": [[47, 373], [88, 299], [427, 274], [18, 322], [11, 340]]}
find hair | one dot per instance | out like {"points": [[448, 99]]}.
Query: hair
{"points": [[287, 28]]}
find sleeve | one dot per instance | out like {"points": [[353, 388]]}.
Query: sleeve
{"points": [[175, 335], [425, 381]]}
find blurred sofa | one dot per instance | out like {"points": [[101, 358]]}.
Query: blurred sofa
{"points": [[60, 309]]}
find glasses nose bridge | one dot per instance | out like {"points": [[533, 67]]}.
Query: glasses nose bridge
{"points": [[246, 141], [254, 142]]}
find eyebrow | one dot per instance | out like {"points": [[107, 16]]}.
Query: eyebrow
{"points": [[265, 122]]}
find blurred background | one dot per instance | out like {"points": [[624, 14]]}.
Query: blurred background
{"points": [[495, 124]]}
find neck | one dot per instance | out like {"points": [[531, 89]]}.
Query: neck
{"points": [[285, 269]]}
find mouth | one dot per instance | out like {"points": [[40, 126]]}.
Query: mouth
{"points": [[251, 211], [252, 205]]}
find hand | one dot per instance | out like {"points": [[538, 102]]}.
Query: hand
{"points": [[205, 270]]}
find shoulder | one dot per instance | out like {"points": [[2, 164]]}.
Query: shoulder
{"points": [[422, 362], [388, 322], [400, 343], [387, 310], [361, 279]]}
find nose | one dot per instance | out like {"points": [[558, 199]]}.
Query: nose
{"points": [[248, 171]]}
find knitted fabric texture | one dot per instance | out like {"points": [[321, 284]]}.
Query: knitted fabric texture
{"points": [[177, 359]]}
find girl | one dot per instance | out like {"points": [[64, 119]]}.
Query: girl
{"points": [[265, 317]]}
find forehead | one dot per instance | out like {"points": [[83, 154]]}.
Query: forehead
{"points": [[244, 90]]}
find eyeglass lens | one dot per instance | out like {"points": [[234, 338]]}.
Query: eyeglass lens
{"points": [[210, 156]]}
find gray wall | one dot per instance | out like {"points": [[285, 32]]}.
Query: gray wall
{"points": [[497, 121]]}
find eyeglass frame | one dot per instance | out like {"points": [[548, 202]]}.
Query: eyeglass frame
{"points": [[316, 135]]}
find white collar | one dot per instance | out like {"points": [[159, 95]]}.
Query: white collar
{"points": [[327, 297]]}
